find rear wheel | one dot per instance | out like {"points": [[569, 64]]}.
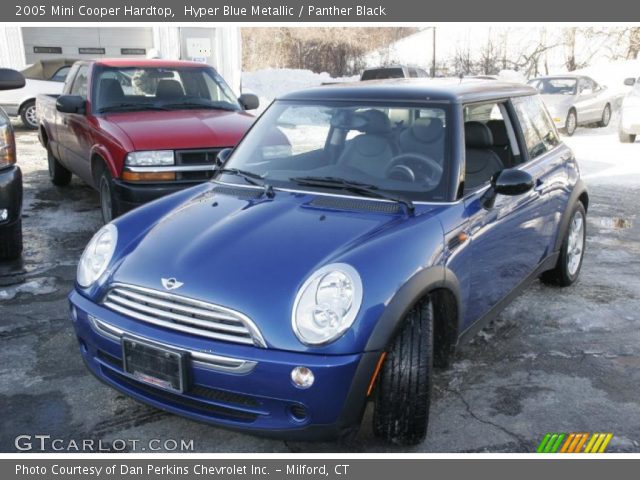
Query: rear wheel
{"points": [[58, 174], [606, 116], [11, 241], [28, 115], [569, 263], [108, 201], [571, 124], [626, 137], [403, 393]]}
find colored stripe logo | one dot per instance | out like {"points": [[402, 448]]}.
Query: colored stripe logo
{"points": [[574, 443]]}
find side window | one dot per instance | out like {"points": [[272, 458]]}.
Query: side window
{"points": [[80, 83], [60, 75], [539, 132], [413, 73]]}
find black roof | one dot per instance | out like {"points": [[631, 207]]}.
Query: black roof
{"points": [[453, 90]]}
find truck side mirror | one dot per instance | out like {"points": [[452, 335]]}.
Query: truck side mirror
{"points": [[509, 181], [71, 104], [10, 79], [223, 156], [630, 82], [249, 101]]}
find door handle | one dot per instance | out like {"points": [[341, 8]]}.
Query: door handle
{"points": [[539, 186]]}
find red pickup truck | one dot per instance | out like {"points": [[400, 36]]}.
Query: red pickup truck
{"points": [[139, 129]]}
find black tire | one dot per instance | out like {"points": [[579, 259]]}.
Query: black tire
{"points": [[58, 174], [606, 116], [571, 124], [11, 241], [626, 137], [563, 274], [403, 392], [28, 115], [108, 201]]}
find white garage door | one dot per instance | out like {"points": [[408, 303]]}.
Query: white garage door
{"points": [[85, 43]]}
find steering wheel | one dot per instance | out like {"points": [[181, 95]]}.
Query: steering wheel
{"points": [[405, 166]]}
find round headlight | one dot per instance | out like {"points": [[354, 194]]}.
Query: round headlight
{"points": [[327, 304], [97, 255]]}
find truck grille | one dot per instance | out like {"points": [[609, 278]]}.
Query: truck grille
{"points": [[191, 158], [183, 314]]}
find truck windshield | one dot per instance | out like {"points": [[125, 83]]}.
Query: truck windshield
{"points": [[153, 88], [361, 149]]}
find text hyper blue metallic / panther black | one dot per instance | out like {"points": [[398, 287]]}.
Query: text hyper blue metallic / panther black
{"points": [[348, 244]]}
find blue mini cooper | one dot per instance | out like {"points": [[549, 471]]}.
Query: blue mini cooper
{"points": [[347, 245]]}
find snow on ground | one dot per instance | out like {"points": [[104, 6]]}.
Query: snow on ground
{"points": [[271, 83]]}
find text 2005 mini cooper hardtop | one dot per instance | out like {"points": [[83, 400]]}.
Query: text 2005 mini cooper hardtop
{"points": [[344, 248]]}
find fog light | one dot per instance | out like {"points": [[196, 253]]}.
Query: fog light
{"points": [[302, 377], [4, 214]]}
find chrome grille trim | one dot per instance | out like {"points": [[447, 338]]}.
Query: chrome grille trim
{"points": [[184, 314], [198, 359]]}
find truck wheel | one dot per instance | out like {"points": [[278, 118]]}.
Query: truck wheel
{"points": [[403, 394], [108, 200], [58, 174], [11, 240], [28, 115], [571, 124], [569, 263], [606, 116], [626, 137]]}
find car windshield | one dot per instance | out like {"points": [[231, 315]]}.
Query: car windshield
{"points": [[154, 88], [358, 148], [555, 86]]}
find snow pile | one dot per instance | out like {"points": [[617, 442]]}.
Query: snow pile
{"points": [[271, 83]]}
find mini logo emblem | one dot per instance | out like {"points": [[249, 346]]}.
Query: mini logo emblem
{"points": [[171, 283]]}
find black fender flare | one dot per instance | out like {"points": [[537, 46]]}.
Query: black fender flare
{"points": [[423, 282], [579, 189]]}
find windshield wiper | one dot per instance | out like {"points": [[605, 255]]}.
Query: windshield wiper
{"points": [[250, 177], [355, 187], [130, 107]]}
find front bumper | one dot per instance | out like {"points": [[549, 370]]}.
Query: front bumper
{"points": [[262, 401], [131, 195], [630, 120], [10, 195]]}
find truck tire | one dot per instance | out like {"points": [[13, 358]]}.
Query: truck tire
{"points": [[403, 393], [567, 269], [108, 201], [58, 174], [28, 115], [11, 240], [626, 137]]}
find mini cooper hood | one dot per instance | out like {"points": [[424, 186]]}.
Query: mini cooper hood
{"points": [[248, 255]]}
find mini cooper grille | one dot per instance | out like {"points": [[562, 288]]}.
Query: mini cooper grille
{"points": [[184, 314]]}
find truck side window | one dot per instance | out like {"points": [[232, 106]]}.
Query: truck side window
{"points": [[80, 83], [540, 135]]}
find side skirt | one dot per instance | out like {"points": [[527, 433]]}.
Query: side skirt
{"points": [[547, 264]]}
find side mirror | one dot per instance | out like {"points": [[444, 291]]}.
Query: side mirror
{"points": [[249, 101], [630, 82], [511, 182], [71, 104], [223, 156], [10, 79]]}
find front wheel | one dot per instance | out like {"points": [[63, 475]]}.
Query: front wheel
{"points": [[606, 116], [569, 263], [28, 115], [626, 137], [571, 124], [11, 241], [403, 393]]}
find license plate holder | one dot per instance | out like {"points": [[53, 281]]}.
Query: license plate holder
{"points": [[154, 364]]}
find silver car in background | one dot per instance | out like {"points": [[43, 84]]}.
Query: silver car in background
{"points": [[575, 100], [630, 113]]}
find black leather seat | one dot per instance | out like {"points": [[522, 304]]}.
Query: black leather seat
{"points": [[424, 137], [110, 92], [481, 161], [371, 151], [169, 90], [501, 144]]}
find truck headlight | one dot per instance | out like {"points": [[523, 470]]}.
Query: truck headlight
{"points": [[327, 304], [97, 255], [150, 158], [7, 146]]}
